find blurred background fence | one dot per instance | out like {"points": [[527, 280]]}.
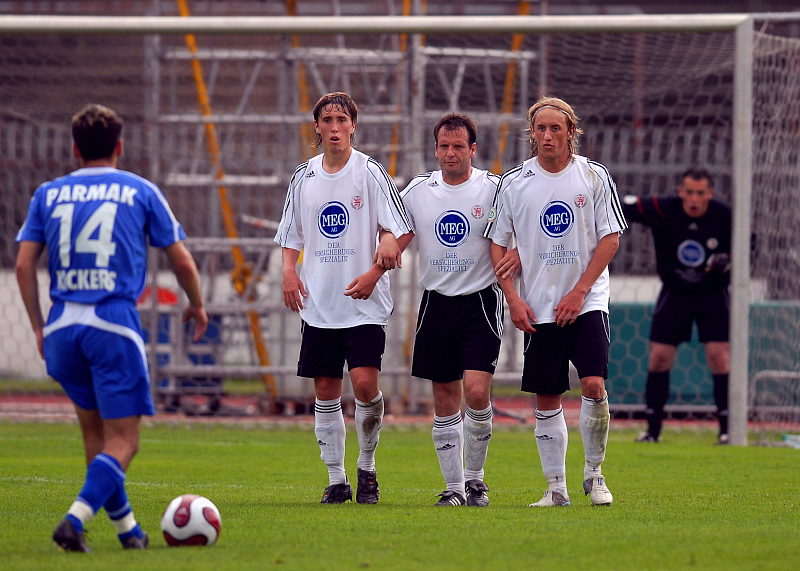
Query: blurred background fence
{"points": [[219, 121]]}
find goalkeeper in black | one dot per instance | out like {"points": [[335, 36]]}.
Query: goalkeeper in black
{"points": [[692, 237]]}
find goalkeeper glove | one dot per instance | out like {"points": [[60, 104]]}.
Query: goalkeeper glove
{"points": [[719, 263]]}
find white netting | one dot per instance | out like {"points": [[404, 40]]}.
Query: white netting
{"points": [[774, 398], [651, 104]]}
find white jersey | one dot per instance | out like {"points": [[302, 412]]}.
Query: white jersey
{"points": [[557, 220], [334, 219], [449, 221]]}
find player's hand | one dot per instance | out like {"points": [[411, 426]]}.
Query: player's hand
{"points": [[293, 290], [522, 316], [199, 317], [569, 308], [719, 263], [363, 286], [509, 265], [388, 254]]}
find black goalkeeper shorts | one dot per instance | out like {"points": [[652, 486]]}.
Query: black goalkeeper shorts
{"points": [[677, 311]]}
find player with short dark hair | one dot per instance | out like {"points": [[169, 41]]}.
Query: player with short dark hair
{"points": [[453, 122], [692, 237], [563, 211], [95, 224], [335, 206], [460, 320]]}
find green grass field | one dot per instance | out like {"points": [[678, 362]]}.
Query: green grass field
{"points": [[679, 504]]}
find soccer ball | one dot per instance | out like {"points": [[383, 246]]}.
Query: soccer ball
{"points": [[191, 520]]}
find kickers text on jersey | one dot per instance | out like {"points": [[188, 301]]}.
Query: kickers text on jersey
{"points": [[95, 237]]}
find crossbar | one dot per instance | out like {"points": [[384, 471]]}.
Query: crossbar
{"points": [[47, 24]]}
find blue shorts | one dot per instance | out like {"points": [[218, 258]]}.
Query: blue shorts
{"points": [[97, 354]]}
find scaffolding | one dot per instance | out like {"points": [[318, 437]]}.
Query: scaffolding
{"points": [[382, 73]]}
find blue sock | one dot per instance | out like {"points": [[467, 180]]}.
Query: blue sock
{"points": [[117, 505], [103, 477], [120, 512], [76, 523], [135, 532]]}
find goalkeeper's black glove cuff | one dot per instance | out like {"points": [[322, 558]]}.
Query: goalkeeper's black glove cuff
{"points": [[719, 263]]}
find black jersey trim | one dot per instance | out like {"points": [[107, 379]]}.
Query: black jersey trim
{"points": [[500, 186], [616, 207], [394, 194], [288, 205]]}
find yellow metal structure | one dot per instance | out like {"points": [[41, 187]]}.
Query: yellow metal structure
{"points": [[508, 91], [241, 274], [306, 132]]}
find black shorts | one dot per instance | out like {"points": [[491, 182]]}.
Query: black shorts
{"points": [[676, 311], [548, 352], [457, 333], [323, 352]]}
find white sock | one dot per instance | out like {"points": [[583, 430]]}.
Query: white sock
{"points": [[477, 433], [594, 421], [81, 510], [551, 440], [125, 523], [448, 439], [330, 430], [369, 418]]}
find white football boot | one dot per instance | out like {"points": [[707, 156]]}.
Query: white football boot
{"points": [[552, 498], [598, 491]]}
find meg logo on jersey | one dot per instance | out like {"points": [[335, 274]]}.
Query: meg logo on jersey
{"points": [[333, 219], [452, 228], [556, 219], [691, 253]]}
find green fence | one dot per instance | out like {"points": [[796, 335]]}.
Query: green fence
{"points": [[774, 345]]}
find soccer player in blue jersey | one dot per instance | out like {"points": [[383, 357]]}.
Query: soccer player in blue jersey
{"points": [[95, 224]]}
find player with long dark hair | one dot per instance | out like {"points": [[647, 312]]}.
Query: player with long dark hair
{"points": [[335, 206]]}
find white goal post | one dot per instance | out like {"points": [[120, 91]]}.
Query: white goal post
{"points": [[370, 24], [741, 26]]}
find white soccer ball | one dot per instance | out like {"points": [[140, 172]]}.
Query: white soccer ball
{"points": [[191, 520]]}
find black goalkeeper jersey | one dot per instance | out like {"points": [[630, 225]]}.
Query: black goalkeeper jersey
{"points": [[684, 244]]}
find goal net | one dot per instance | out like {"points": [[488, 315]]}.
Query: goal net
{"points": [[651, 103]]}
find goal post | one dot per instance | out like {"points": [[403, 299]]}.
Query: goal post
{"points": [[740, 240], [599, 63]]}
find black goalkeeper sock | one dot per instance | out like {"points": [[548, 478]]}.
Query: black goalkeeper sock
{"points": [[656, 394], [721, 400]]}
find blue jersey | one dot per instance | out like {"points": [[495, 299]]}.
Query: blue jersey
{"points": [[96, 223]]}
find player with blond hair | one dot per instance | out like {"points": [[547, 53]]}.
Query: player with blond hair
{"points": [[563, 211]]}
